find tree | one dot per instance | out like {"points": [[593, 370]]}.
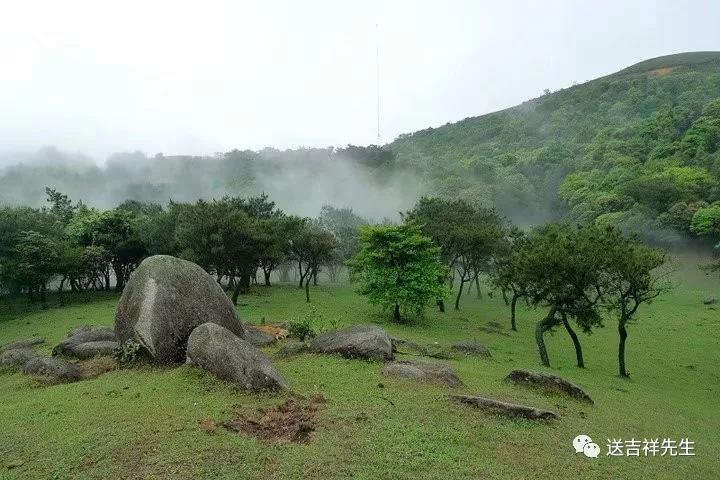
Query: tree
{"points": [[60, 205], [467, 236], [562, 268], [35, 263], [115, 231], [398, 267], [474, 242], [312, 247], [631, 282], [277, 234], [222, 239], [506, 272], [345, 225]]}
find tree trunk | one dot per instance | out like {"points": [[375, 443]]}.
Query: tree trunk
{"points": [[576, 342], [267, 273], [60, 292], [477, 287], [396, 314], [621, 348], [441, 305], [457, 299], [540, 329], [43, 296], [236, 294], [302, 277], [307, 289], [119, 278], [513, 304], [505, 298], [314, 275]]}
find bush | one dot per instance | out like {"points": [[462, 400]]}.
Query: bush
{"points": [[127, 353], [304, 328]]}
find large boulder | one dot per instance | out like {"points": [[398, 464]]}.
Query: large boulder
{"points": [[360, 341], [26, 343], [424, 372], [52, 369], [164, 300], [17, 357], [77, 337], [219, 351]]}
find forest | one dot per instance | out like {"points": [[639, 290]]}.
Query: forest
{"points": [[637, 149]]}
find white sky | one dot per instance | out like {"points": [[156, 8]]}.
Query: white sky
{"points": [[206, 76]]}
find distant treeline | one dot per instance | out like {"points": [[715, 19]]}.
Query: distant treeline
{"points": [[236, 239]]}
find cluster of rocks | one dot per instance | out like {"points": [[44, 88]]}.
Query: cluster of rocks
{"points": [[174, 312], [177, 313], [22, 356], [85, 342]]}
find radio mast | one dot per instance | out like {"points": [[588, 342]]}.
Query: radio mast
{"points": [[377, 78]]}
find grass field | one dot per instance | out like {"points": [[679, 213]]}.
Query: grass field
{"points": [[145, 422]]}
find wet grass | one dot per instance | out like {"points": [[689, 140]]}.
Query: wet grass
{"points": [[147, 422]]}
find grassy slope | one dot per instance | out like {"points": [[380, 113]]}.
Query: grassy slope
{"points": [[143, 423]]}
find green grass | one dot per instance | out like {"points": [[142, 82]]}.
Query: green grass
{"points": [[144, 422]]}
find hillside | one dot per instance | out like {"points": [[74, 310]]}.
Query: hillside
{"points": [[638, 147], [617, 136]]}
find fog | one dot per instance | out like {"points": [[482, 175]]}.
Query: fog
{"points": [[185, 78], [300, 181]]}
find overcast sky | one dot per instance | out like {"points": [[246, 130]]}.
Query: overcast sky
{"points": [[207, 76]]}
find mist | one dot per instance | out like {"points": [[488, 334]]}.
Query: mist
{"points": [[300, 181]]}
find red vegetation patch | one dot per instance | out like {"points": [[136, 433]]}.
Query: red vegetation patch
{"points": [[291, 421]]}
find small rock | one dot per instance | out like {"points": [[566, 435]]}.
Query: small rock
{"points": [[101, 334], [17, 357], [505, 408], [360, 341], [471, 348], [402, 345], [710, 301], [79, 329], [258, 338], [14, 464], [87, 350], [27, 343], [549, 382], [424, 372], [293, 348], [219, 351], [52, 369]]}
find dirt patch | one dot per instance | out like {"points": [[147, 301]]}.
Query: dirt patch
{"points": [[661, 72], [96, 366], [292, 421]]}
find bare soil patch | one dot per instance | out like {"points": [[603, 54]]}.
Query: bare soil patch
{"points": [[292, 421]]}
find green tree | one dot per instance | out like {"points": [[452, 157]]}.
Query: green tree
{"points": [[312, 248], [222, 239], [507, 271], [632, 280], [562, 268], [398, 267], [35, 263]]}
